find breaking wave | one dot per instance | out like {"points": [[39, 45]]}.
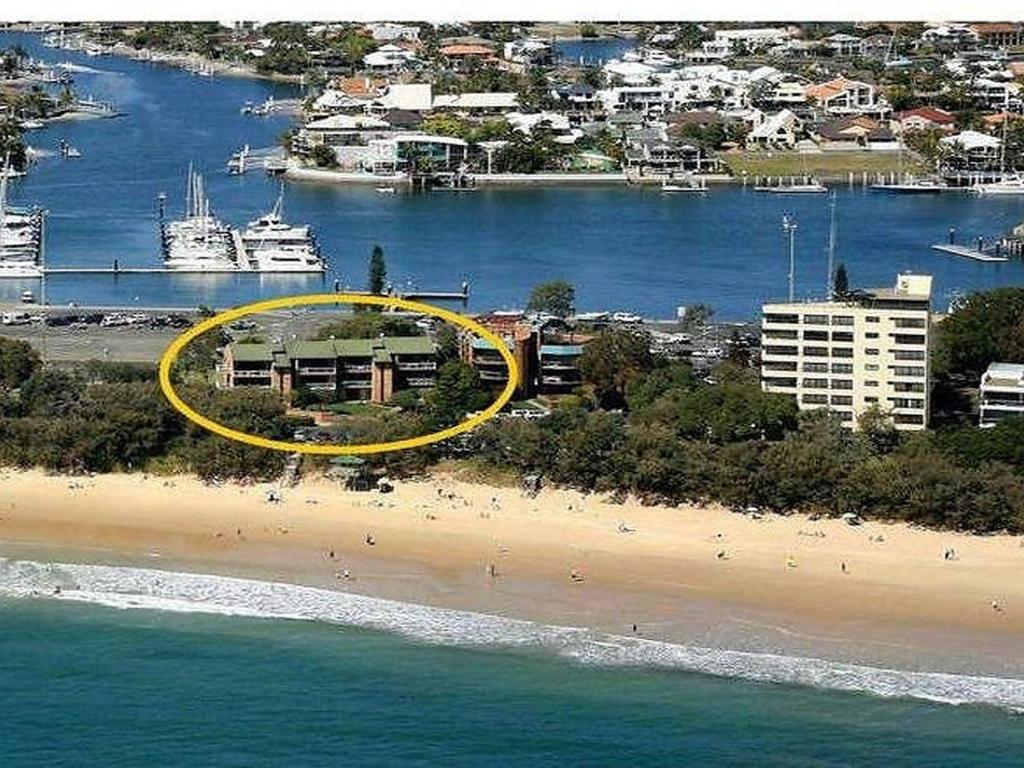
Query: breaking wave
{"points": [[123, 587]]}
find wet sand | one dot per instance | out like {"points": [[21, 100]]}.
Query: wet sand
{"points": [[696, 575]]}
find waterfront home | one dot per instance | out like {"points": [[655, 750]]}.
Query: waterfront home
{"points": [[651, 151], [1002, 393], [778, 131], [350, 369], [851, 354], [418, 151], [972, 151], [857, 132], [923, 119], [842, 96], [342, 130], [528, 52]]}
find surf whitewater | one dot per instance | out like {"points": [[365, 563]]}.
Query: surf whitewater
{"points": [[150, 589]]}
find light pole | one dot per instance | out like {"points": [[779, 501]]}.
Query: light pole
{"points": [[789, 228]]}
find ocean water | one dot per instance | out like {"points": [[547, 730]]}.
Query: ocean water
{"points": [[133, 666], [623, 248]]}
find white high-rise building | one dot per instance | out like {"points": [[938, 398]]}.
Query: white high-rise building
{"points": [[850, 354], [1002, 393]]}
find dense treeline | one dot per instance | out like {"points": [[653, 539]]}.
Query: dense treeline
{"points": [[683, 440], [104, 417], [640, 424]]}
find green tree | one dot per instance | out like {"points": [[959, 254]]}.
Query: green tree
{"points": [[841, 284], [378, 273], [457, 392], [555, 297], [614, 359], [18, 361], [984, 327], [323, 156]]}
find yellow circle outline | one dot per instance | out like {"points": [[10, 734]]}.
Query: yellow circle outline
{"points": [[174, 349]]}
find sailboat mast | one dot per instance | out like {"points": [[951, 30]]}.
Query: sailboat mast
{"points": [[188, 192], [831, 244], [3, 190]]}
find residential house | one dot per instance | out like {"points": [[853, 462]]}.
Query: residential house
{"points": [[842, 96], [972, 151], [752, 40], [461, 55], [477, 103], [844, 45], [778, 131], [528, 52], [857, 132], [389, 32], [389, 57], [951, 36], [1000, 34], [923, 119]]}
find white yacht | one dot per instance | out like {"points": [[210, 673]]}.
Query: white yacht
{"points": [[21, 237], [272, 245], [1010, 184], [199, 242]]}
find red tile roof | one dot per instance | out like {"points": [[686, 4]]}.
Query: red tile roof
{"points": [[932, 114]]}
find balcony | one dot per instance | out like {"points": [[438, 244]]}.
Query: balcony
{"points": [[317, 370], [251, 374], [420, 381], [425, 366], [357, 369]]}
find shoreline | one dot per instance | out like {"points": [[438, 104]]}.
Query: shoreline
{"points": [[778, 589]]}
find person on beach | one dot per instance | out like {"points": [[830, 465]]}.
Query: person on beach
{"points": [[842, 566], [370, 540]]}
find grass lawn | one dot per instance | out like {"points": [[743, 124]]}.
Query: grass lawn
{"points": [[355, 408], [825, 165]]}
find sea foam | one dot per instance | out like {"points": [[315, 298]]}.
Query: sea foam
{"points": [[143, 588]]}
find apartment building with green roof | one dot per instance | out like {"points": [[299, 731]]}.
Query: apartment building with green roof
{"points": [[352, 369]]}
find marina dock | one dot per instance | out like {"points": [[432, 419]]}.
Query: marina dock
{"points": [[968, 253]]}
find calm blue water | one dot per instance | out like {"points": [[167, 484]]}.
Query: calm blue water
{"points": [[623, 248], [87, 685]]}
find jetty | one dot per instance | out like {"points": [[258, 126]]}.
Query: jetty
{"points": [[969, 253]]}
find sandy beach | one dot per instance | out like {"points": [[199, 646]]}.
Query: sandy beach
{"points": [[881, 593]]}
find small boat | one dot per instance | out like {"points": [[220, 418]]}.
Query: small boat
{"points": [[31, 125], [812, 187], [385, 190], [691, 186], [1012, 184], [27, 297], [911, 186], [67, 151]]}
